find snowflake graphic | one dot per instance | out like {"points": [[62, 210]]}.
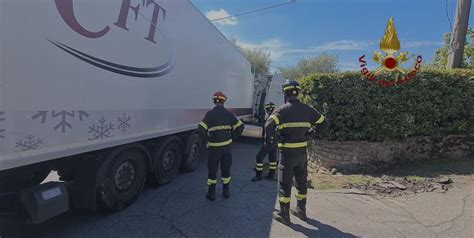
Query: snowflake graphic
{"points": [[64, 118], [2, 131], [124, 122], [30, 143], [101, 130]]}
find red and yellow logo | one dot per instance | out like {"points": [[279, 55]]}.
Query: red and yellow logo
{"points": [[390, 60]]}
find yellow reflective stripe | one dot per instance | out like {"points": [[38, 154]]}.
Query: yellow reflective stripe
{"points": [[272, 167], [273, 163], [321, 119], [275, 118], [216, 128], [211, 181], [300, 196], [293, 145], [226, 180], [294, 124], [222, 98], [218, 144], [259, 164], [291, 87], [285, 199], [204, 125], [239, 123], [259, 168]]}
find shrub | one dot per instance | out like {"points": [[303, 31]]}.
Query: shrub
{"points": [[436, 103]]}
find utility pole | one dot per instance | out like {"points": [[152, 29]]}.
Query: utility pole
{"points": [[458, 35]]}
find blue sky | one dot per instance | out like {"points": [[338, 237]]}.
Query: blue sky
{"points": [[346, 28]]}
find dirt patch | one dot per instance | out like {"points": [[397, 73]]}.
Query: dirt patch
{"points": [[401, 179], [327, 181], [395, 186]]}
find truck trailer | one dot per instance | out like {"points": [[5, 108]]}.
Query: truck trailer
{"points": [[108, 94]]}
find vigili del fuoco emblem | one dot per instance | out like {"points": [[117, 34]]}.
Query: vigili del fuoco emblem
{"points": [[390, 61]]}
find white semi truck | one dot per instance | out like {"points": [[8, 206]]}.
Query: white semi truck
{"points": [[107, 93]]}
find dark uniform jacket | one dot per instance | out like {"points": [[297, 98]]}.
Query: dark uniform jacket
{"points": [[219, 126], [290, 122]]}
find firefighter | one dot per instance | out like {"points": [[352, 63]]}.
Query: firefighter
{"points": [[218, 127], [267, 149], [288, 126]]}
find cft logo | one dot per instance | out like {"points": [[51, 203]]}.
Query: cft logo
{"points": [[67, 12], [390, 61]]}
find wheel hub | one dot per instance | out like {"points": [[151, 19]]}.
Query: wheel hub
{"points": [[124, 176], [168, 161], [194, 152]]}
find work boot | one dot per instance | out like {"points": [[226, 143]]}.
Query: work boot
{"points": [[283, 215], [211, 193], [300, 210], [226, 191], [271, 175], [258, 176]]}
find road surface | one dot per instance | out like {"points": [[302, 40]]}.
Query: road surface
{"points": [[180, 209]]}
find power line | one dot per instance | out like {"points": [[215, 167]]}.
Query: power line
{"points": [[253, 11]]}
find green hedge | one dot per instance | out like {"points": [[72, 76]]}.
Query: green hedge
{"points": [[435, 103]]}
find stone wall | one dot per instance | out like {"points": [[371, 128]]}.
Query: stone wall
{"points": [[369, 156]]}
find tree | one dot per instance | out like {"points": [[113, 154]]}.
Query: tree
{"points": [[258, 58], [324, 63], [441, 56]]}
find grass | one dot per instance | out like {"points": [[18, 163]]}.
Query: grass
{"points": [[414, 171], [415, 178]]}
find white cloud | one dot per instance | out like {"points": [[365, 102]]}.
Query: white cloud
{"points": [[277, 48], [335, 45], [348, 66], [216, 14], [417, 44], [345, 45]]}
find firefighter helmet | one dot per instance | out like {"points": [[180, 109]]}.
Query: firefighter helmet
{"points": [[270, 106], [291, 87], [219, 97]]}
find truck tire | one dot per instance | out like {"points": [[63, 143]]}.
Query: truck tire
{"points": [[166, 161], [193, 153], [124, 180]]}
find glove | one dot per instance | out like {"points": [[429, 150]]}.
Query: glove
{"points": [[312, 133], [272, 141]]}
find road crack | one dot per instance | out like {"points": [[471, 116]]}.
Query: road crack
{"points": [[453, 221], [173, 227], [214, 203], [368, 218], [419, 222]]}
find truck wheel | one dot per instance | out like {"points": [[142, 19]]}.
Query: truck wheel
{"points": [[193, 153], [166, 161], [124, 180]]}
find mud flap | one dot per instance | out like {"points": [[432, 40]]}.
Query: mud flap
{"points": [[45, 201]]}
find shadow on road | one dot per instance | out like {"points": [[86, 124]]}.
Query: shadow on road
{"points": [[180, 209], [319, 230]]}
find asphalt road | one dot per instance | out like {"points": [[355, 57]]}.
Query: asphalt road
{"points": [[180, 209]]}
